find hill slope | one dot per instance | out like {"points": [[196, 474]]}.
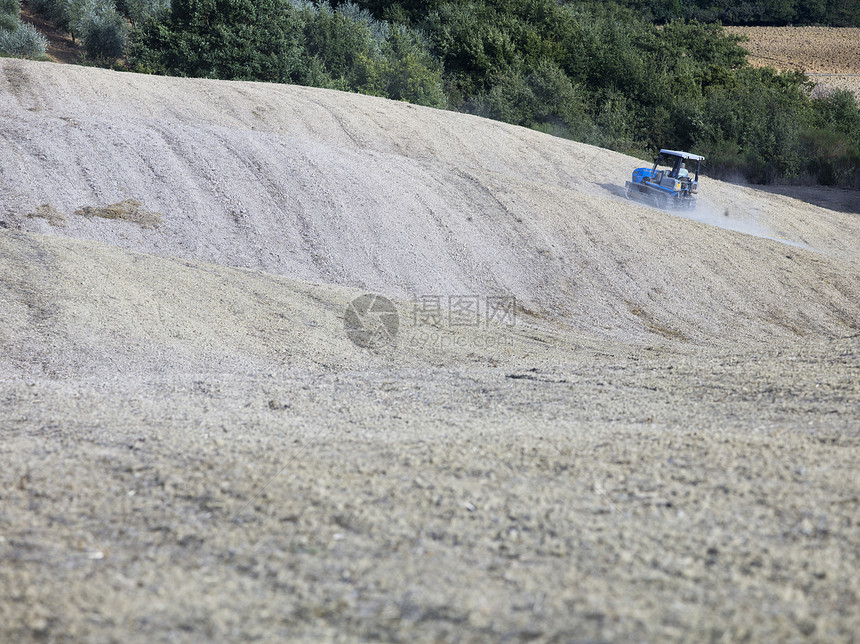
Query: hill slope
{"points": [[386, 197]]}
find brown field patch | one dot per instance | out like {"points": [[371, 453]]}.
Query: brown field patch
{"points": [[50, 214], [829, 55], [128, 210]]}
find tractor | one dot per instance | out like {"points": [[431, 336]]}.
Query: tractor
{"points": [[669, 182]]}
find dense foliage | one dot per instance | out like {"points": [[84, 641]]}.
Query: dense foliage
{"points": [[292, 42]]}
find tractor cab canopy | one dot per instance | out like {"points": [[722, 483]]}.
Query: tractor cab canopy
{"points": [[674, 159]]}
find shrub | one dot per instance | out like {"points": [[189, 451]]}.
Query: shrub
{"points": [[230, 39], [294, 42], [762, 113], [408, 71], [57, 11], [140, 12], [102, 29], [830, 159], [838, 110], [23, 42], [831, 146]]}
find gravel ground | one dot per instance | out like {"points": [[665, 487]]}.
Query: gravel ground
{"points": [[658, 442]]}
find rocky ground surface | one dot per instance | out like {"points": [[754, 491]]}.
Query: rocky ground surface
{"points": [[594, 420]]}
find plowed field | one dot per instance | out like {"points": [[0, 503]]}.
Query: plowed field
{"points": [[829, 55]]}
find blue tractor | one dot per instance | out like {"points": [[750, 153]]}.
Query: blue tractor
{"points": [[673, 181]]}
